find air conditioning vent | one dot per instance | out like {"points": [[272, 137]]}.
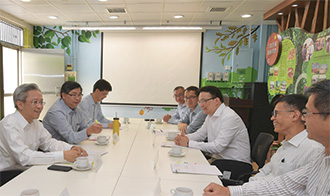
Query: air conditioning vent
{"points": [[116, 10], [217, 9]]}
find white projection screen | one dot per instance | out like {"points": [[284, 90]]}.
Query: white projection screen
{"points": [[143, 68]]}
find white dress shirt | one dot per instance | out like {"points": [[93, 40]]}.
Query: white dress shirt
{"points": [[20, 140], [296, 152], [179, 114], [312, 179], [92, 111], [227, 136]]}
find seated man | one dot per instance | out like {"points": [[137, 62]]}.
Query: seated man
{"points": [[225, 130], [181, 109], [65, 121], [296, 150], [195, 117], [311, 179], [91, 106], [21, 135]]}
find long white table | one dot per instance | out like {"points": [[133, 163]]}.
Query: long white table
{"points": [[127, 169]]}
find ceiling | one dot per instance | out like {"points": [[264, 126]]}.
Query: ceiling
{"points": [[139, 12]]}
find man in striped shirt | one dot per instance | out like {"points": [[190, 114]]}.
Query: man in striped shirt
{"points": [[311, 179]]}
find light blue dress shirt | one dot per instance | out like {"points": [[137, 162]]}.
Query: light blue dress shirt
{"points": [[179, 114], [66, 124], [194, 119], [92, 111]]}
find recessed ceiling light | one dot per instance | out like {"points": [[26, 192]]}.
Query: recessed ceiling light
{"points": [[53, 17], [114, 17], [26, 0], [103, 0], [280, 13], [294, 5], [178, 16], [246, 16]]}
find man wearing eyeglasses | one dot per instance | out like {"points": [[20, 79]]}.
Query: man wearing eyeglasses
{"points": [[65, 121], [311, 179], [195, 117], [21, 135], [296, 150], [181, 109], [227, 135]]}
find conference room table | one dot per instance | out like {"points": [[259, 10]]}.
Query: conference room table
{"points": [[135, 165]]}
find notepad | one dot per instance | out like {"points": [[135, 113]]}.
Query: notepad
{"points": [[195, 169]]}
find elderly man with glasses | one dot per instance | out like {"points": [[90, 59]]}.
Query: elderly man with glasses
{"points": [[296, 150], [195, 117], [226, 133], [22, 134], [65, 121], [178, 94]]}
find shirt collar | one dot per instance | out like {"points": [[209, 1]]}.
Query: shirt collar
{"points": [[197, 109], [67, 109], [219, 110], [90, 99], [297, 139], [22, 122]]}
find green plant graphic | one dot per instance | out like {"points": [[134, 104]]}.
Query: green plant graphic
{"points": [[237, 36], [45, 37]]}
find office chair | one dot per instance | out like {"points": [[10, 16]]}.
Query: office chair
{"points": [[240, 171], [6, 176]]}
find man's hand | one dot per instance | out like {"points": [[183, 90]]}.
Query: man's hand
{"points": [[216, 190], [182, 127], [80, 150], [181, 140], [94, 128], [166, 117]]}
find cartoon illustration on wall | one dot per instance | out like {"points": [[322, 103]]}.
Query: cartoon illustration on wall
{"points": [[51, 37]]}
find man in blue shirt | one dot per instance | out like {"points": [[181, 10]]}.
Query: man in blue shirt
{"points": [[195, 116], [181, 109], [91, 106], [65, 121]]}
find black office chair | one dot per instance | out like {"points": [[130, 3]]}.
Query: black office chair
{"points": [[240, 171], [6, 176]]}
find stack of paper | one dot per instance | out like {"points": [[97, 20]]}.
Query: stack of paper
{"points": [[195, 169]]}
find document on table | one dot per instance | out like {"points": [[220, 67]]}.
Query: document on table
{"points": [[94, 136], [166, 131], [168, 144], [195, 169]]}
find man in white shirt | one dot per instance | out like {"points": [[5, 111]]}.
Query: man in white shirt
{"points": [[311, 179], [91, 107], [195, 116], [296, 150], [226, 133], [21, 135], [181, 109]]}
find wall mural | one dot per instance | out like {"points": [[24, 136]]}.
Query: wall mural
{"points": [[54, 37], [304, 60]]}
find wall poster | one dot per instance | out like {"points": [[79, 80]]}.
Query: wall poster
{"points": [[304, 60]]}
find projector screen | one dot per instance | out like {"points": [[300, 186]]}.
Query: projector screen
{"points": [[143, 68]]}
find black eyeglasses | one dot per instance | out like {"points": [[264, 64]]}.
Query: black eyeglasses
{"points": [[275, 112], [305, 113], [203, 101], [191, 97], [75, 95]]}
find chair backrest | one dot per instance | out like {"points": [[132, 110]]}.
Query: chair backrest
{"points": [[237, 168], [261, 147]]}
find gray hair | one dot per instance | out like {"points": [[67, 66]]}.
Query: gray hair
{"points": [[21, 92]]}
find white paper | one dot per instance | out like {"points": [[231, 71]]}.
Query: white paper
{"points": [[94, 136], [166, 130], [195, 169], [168, 144]]}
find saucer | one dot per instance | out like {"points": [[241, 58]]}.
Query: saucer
{"points": [[102, 144], [75, 167], [169, 139], [176, 155]]}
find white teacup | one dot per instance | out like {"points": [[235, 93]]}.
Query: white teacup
{"points": [[82, 162], [158, 121], [182, 191], [176, 150], [101, 139], [126, 120], [30, 192], [172, 135]]}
